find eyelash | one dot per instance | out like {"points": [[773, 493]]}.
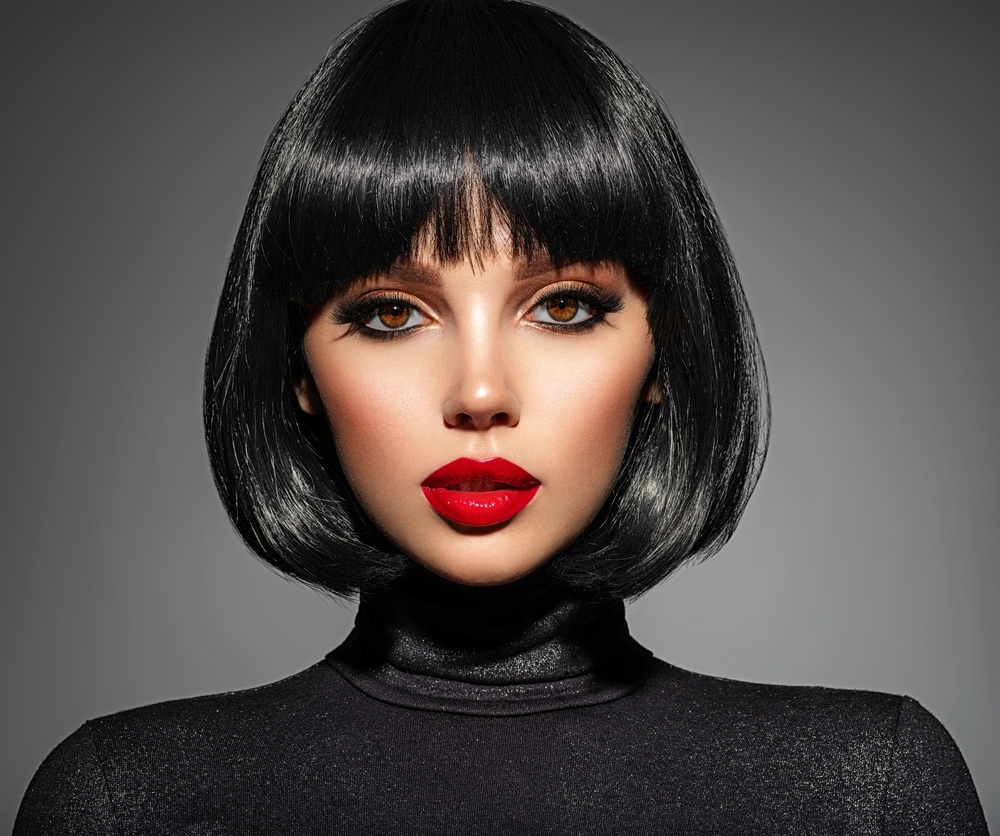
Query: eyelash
{"points": [[358, 312], [601, 302]]}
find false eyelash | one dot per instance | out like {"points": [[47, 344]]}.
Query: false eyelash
{"points": [[356, 312], [601, 301]]}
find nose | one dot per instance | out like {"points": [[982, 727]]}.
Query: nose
{"points": [[481, 396]]}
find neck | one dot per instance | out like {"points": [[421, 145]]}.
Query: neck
{"points": [[529, 646]]}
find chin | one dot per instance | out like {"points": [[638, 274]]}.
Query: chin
{"points": [[481, 570]]}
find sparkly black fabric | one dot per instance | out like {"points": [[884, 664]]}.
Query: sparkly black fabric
{"points": [[529, 647], [514, 710]]}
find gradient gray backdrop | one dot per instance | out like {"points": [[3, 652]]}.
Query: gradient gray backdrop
{"points": [[851, 149]]}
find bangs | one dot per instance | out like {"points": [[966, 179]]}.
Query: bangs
{"points": [[440, 120]]}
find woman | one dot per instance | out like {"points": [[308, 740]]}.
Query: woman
{"points": [[483, 357]]}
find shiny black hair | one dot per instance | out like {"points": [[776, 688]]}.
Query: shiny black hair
{"points": [[418, 117]]}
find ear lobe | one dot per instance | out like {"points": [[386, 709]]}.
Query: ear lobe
{"points": [[308, 395], [652, 392]]}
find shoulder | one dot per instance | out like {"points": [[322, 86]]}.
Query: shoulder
{"points": [[784, 710], [183, 731], [209, 718], [930, 788], [91, 778], [68, 793], [884, 749]]}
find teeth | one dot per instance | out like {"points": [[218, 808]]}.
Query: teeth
{"points": [[479, 485]]}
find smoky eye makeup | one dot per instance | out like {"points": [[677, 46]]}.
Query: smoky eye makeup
{"points": [[573, 306], [379, 315], [565, 306]]}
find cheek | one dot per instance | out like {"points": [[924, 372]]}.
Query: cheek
{"points": [[371, 409], [588, 405], [604, 416]]}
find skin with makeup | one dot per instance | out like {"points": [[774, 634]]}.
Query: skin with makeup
{"points": [[480, 409]]}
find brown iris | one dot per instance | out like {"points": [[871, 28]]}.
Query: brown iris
{"points": [[394, 316], [562, 308]]}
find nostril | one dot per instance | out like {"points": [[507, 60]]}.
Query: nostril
{"points": [[465, 420]]}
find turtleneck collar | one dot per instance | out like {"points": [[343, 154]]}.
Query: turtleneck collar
{"points": [[526, 647]]}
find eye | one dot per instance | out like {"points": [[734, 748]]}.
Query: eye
{"points": [[574, 306], [380, 316], [393, 316], [565, 310]]}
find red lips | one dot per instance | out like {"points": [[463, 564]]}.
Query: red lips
{"points": [[479, 493]]}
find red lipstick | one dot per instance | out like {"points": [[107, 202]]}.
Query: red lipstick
{"points": [[479, 493]]}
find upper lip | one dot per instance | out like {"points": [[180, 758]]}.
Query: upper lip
{"points": [[474, 475]]}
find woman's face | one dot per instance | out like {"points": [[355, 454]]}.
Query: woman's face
{"points": [[480, 410]]}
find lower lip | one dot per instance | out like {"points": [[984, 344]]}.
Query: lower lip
{"points": [[479, 508]]}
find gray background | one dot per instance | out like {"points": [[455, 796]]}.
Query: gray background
{"points": [[851, 149]]}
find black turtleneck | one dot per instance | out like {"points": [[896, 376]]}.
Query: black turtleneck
{"points": [[493, 652], [521, 709]]}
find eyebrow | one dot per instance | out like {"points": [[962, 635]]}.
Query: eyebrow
{"points": [[536, 265], [413, 274], [418, 274]]}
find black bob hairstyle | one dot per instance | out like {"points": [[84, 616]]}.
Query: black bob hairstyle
{"points": [[419, 117]]}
